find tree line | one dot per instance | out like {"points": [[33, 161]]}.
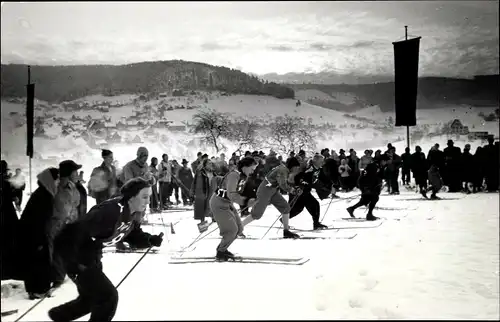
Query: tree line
{"points": [[64, 83], [281, 133]]}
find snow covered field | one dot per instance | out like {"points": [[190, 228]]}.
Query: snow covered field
{"points": [[428, 260]]}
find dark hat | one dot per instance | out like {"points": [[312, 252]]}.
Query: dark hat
{"points": [[184, 161], [132, 187], [66, 167], [105, 153], [450, 141], [255, 153], [342, 151]]}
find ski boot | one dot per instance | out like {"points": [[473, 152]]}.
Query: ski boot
{"points": [[288, 234], [36, 296], [350, 210], [203, 226], [424, 194], [319, 226], [371, 217], [434, 197], [224, 256]]}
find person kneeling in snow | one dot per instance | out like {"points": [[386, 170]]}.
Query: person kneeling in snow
{"points": [[80, 245], [370, 184], [435, 181]]}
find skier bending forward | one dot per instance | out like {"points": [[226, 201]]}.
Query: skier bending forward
{"points": [[268, 193], [370, 184], [228, 191], [81, 243]]}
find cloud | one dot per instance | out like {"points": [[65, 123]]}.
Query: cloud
{"points": [[343, 37], [283, 48]]}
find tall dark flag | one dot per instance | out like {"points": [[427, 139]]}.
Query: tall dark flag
{"points": [[30, 111], [406, 81]]}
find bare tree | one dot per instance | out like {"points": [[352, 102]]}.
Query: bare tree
{"points": [[212, 125], [244, 133], [289, 133]]}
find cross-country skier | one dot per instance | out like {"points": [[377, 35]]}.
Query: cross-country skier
{"points": [[228, 190], [80, 244], [306, 181], [268, 194], [370, 184]]}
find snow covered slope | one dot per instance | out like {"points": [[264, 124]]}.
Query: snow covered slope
{"points": [[428, 260]]}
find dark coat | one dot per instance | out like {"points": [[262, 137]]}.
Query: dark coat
{"points": [[9, 228], [36, 261], [186, 177], [370, 183], [82, 207], [80, 243], [201, 192]]}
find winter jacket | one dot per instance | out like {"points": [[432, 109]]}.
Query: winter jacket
{"points": [[406, 161], [103, 183], [66, 202], [134, 170], [278, 177], [9, 233], [186, 177], [370, 183], [364, 161], [81, 242], [165, 171]]}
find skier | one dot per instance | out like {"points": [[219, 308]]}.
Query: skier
{"points": [[268, 193], [228, 190], [81, 243], [305, 181], [370, 184]]}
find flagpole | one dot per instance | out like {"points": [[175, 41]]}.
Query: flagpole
{"points": [[407, 127], [29, 82]]}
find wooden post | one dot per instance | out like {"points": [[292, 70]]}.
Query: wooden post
{"points": [[407, 127], [29, 82]]}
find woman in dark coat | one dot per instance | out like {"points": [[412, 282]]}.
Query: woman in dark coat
{"points": [[9, 226], [35, 247], [201, 193]]}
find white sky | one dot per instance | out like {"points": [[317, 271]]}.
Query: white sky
{"points": [[460, 38]]}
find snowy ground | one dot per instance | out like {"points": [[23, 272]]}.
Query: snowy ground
{"points": [[428, 260]]}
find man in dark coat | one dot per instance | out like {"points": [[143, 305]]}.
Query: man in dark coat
{"points": [[451, 172], [36, 260], [81, 243], [186, 180], [9, 226], [406, 166], [435, 156], [491, 164], [392, 170], [103, 183], [419, 168], [466, 165]]}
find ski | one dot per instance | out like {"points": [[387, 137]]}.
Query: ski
{"points": [[143, 250], [357, 219], [240, 259], [10, 312], [316, 230], [308, 237]]}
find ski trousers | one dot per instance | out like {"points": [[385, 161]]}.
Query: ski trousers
{"points": [[305, 200], [268, 196], [96, 295], [227, 219]]}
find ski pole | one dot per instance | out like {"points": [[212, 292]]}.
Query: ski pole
{"points": [[292, 203], [137, 263]]}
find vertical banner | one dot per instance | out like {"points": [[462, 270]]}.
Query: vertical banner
{"points": [[406, 54], [30, 114]]}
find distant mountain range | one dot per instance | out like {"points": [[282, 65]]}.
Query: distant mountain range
{"points": [[433, 92], [65, 83]]}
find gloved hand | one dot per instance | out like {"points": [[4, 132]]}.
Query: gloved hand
{"points": [[156, 240], [251, 202]]}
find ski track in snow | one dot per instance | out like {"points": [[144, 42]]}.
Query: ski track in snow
{"points": [[440, 261]]}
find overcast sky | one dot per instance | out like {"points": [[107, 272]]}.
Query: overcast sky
{"points": [[459, 38]]}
